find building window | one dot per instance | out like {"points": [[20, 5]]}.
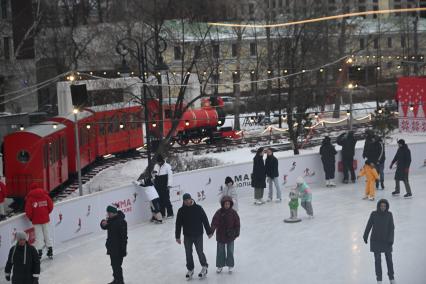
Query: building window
{"points": [[6, 48], [178, 53], [234, 50], [197, 52], [402, 40], [361, 43], [216, 51], [376, 43], [251, 9], [253, 49], [389, 42], [23, 156], [3, 6]]}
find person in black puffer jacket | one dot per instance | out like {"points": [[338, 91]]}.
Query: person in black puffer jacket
{"points": [[403, 161], [24, 261], [258, 176], [272, 174], [116, 243], [328, 158], [382, 237], [191, 217], [348, 142]]}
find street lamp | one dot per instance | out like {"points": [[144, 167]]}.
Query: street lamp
{"points": [[122, 49], [351, 87], [77, 150]]}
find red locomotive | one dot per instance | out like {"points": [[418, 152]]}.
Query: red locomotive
{"points": [[46, 154], [195, 125]]}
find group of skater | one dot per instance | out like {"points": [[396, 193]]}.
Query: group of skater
{"points": [[23, 264], [373, 170]]}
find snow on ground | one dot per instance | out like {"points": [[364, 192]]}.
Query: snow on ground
{"points": [[325, 250]]}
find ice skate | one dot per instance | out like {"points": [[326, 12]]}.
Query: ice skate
{"points": [[382, 184], [332, 183], [219, 270], [379, 282], [158, 221], [50, 253], [203, 272], [230, 269], [170, 217], [392, 281], [371, 198], [365, 198], [189, 274], [395, 193], [408, 195], [269, 200], [40, 253], [278, 200], [327, 183]]}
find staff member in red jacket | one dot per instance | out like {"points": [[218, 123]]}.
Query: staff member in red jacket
{"points": [[3, 194], [38, 206]]}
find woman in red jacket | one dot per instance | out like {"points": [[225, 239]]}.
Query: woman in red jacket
{"points": [[227, 223], [38, 206], [3, 194]]}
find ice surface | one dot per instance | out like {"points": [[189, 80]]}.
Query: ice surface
{"points": [[327, 249]]}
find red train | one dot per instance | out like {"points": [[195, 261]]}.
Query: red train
{"points": [[46, 153]]}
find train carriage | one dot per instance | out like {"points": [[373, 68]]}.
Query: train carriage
{"points": [[87, 138], [37, 154], [118, 128]]}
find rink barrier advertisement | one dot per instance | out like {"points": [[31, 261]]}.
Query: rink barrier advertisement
{"points": [[77, 218]]}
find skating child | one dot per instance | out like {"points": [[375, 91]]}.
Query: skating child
{"points": [[305, 195], [152, 195], [371, 176]]}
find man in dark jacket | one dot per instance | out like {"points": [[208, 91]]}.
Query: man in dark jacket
{"points": [[382, 237], [369, 136], [348, 142], [23, 259], [403, 160], [271, 169], [116, 243], [258, 176], [376, 154], [191, 217], [328, 158]]}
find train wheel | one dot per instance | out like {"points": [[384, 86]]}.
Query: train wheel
{"points": [[172, 142], [196, 140], [183, 142]]}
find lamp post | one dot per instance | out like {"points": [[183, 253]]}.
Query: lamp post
{"points": [[350, 87], [77, 150], [123, 50]]}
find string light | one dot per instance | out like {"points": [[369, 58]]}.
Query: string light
{"points": [[348, 113], [55, 126], [154, 125], [186, 122], [121, 125], [411, 107], [88, 126], [22, 128], [321, 70]]}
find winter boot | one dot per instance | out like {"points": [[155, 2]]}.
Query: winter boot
{"points": [[50, 252], [203, 272], [332, 183], [382, 184], [396, 192], [327, 183], [408, 195], [219, 270], [189, 274], [40, 253]]}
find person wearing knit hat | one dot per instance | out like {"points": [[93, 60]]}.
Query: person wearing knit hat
{"points": [[403, 161], [305, 196], [116, 243], [23, 263], [192, 218]]}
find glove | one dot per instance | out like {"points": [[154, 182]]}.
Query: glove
{"points": [[7, 277], [35, 280], [365, 241]]}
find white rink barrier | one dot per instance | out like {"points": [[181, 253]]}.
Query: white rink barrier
{"points": [[79, 217]]}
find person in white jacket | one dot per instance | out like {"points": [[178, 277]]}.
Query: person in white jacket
{"points": [[154, 200], [163, 180], [229, 190]]}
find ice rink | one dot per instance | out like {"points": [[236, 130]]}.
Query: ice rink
{"points": [[327, 249]]}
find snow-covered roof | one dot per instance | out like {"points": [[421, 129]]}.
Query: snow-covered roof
{"points": [[113, 106], [44, 129]]}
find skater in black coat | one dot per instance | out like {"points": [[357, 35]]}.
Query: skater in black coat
{"points": [[258, 179], [116, 243], [192, 218], [23, 262], [403, 161], [328, 158], [348, 142], [382, 237], [376, 154]]}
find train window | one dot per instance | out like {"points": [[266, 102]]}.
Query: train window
{"points": [[64, 147], [115, 123], [23, 156], [168, 113], [124, 121], [45, 156], [101, 127], [58, 149], [109, 125], [51, 154], [132, 123]]}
